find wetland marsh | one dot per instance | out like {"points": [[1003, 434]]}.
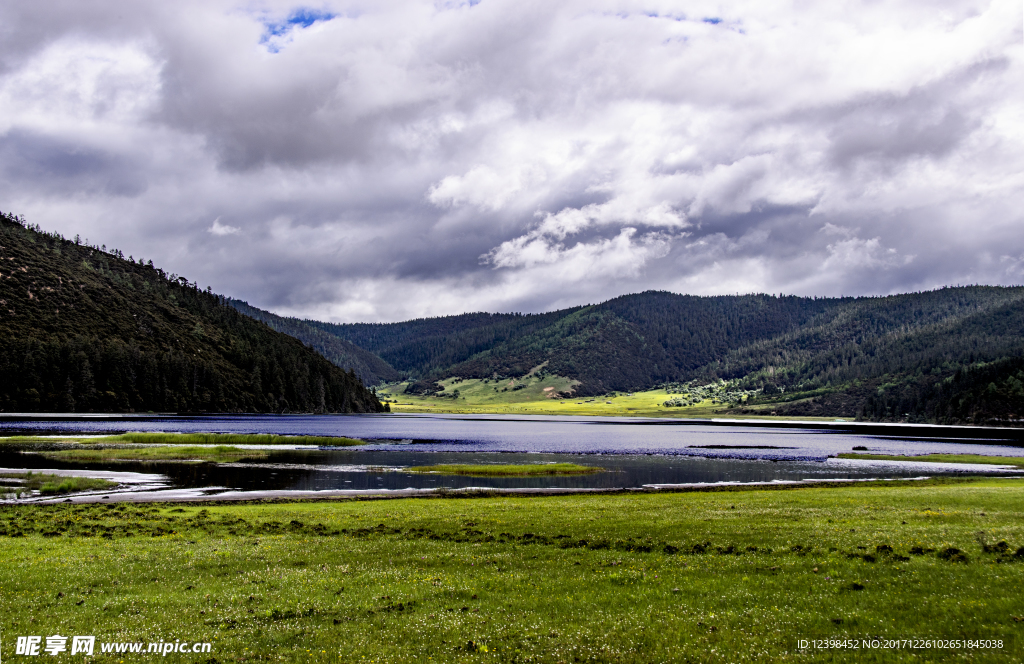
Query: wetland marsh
{"points": [[244, 455]]}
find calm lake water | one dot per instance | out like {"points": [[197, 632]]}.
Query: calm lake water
{"points": [[634, 452]]}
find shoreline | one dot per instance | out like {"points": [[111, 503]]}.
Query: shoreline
{"points": [[224, 495], [881, 429]]}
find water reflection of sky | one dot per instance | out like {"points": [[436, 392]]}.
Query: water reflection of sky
{"points": [[634, 453], [556, 435], [299, 470]]}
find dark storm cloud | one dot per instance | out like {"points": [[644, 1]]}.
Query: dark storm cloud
{"points": [[65, 167], [384, 160], [928, 121]]}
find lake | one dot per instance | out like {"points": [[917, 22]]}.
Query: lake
{"points": [[634, 452]]}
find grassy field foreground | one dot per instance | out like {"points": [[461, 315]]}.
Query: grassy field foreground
{"points": [[730, 576]]}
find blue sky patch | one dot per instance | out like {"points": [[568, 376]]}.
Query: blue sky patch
{"points": [[276, 33], [713, 20]]}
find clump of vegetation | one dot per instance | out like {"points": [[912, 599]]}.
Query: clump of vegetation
{"points": [[231, 439], [142, 438], [508, 470], [219, 453], [953, 554], [692, 393], [133, 447], [72, 484], [14, 485], [941, 458]]}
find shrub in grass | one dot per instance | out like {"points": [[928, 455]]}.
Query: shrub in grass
{"points": [[953, 555]]}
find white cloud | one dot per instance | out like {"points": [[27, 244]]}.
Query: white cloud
{"points": [[855, 253], [222, 229], [483, 187], [582, 149], [80, 84]]}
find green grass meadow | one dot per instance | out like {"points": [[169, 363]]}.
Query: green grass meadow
{"points": [[537, 395], [725, 576]]}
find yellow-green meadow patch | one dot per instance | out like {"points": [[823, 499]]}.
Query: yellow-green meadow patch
{"points": [[548, 394]]}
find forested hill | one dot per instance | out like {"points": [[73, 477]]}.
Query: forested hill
{"points": [[370, 369], [627, 343], [86, 329], [950, 355], [427, 346]]}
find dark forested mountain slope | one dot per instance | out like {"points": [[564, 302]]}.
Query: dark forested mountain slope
{"points": [[370, 369], [84, 329], [912, 357], [428, 345], [631, 342], [873, 336], [948, 355]]}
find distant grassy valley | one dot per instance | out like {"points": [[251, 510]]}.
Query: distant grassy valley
{"points": [[546, 394]]}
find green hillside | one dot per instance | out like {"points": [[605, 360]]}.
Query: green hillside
{"points": [[949, 355], [86, 329], [426, 346], [370, 369], [952, 355], [627, 343]]}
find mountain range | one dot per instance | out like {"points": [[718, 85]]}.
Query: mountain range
{"points": [[947, 355]]}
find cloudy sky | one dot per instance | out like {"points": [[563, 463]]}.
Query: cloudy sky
{"points": [[389, 159]]}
